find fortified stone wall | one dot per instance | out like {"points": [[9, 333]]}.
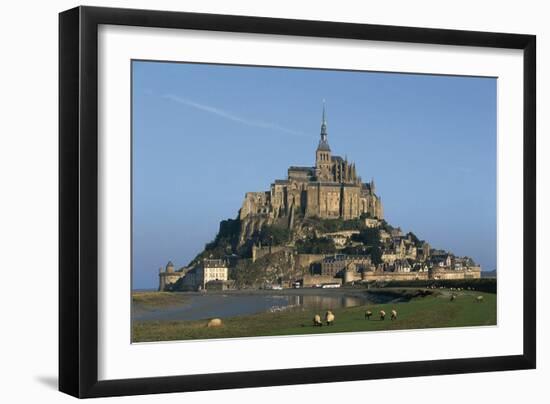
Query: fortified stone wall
{"points": [[259, 252], [312, 280], [168, 278], [434, 274], [394, 276], [469, 273]]}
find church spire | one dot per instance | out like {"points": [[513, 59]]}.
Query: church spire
{"points": [[323, 143], [324, 133]]}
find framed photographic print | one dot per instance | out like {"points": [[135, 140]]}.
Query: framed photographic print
{"points": [[250, 201]]}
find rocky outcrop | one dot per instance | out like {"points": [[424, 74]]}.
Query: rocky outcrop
{"points": [[275, 268]]}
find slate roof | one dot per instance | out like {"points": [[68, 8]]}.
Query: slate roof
{"points": [[323, 145]]}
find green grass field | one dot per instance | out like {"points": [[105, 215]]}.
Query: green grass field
{"points": [[153, 300], [433, 311]]}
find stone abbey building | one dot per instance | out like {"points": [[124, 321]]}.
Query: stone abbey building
{"points": [[330, 189]]}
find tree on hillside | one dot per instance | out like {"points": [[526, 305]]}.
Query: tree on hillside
{"points": [[376, 255], [316, 246], [273, 235], [368, 236]]}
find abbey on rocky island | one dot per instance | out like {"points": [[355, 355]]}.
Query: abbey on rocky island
{"points": [[322, 225]]}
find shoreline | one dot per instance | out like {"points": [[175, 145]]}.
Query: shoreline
{"points": [[383, 293], [187, 306]]}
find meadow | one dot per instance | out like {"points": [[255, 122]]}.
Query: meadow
{"points": [[428, 309]]}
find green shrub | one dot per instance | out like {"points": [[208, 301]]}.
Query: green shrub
{"points": [[368, 236], [273, 235], [316, 246]]}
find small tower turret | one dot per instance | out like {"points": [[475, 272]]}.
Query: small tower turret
{"points": [[169, 267]]}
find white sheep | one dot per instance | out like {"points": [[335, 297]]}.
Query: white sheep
{"points": [[317, 321], [329, 317], [393, 315], [215, 322], [368, 313], [382, 315], [453, 297], [479, 299]]}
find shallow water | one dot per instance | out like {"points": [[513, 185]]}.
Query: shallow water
{"points": [[228, 305]]}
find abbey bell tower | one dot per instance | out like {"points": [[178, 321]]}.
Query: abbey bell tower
{"points": [[323, 161]]}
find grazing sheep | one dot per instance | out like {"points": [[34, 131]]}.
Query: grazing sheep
{"points": [[453, 297], [215, 322], [368, 313], [317, 321], [329, 317], [382, 315], [479, 299], [393, 315]]}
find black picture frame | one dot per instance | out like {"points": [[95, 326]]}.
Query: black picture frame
{"points": [[78, 201]]}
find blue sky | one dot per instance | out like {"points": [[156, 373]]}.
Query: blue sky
{"points": [[203, 135]]}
